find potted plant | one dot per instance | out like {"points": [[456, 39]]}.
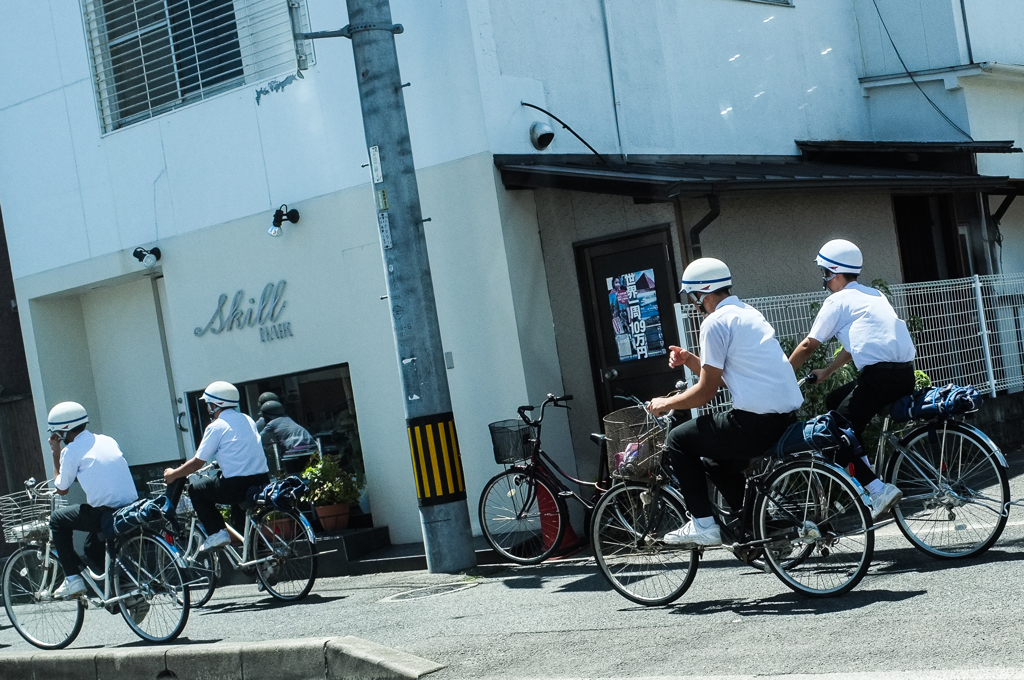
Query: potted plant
{"points": [[331, 489]]}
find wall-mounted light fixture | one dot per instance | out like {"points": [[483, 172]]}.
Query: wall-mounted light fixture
{"points": [[148, 258], [280, 215]]}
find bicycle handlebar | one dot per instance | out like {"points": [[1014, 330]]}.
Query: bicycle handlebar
{"points": [[552, 399]]}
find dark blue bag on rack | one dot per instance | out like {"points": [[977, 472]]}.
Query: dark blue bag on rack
{"points": [[282, 494], [142, 512], [820, 433], [934, 402]]}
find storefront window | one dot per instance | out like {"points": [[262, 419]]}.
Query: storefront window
{"points": [[319, 400]]}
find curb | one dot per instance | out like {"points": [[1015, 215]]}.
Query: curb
{"points": [[338, 658]]}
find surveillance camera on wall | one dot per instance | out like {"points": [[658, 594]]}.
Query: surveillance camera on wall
{"points": [[541, 135]]}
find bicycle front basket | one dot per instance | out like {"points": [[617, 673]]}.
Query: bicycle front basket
{"points": [[26, 517], [511, 440], [635, 442]]}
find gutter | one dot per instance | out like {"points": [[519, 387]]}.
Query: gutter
{"points": [[714, 210]]}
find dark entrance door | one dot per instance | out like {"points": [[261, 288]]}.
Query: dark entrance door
{"points": [[629, 287]]}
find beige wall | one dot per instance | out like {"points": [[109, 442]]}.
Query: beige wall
{"points": [[769, 243]]}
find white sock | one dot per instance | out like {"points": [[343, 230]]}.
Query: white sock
{"points": [[704, 522], [875, 486]]}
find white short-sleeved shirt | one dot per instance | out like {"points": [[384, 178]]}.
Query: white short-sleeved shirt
{"points": [[98, 464], [738, 340], [865, 324], [234, 440]]}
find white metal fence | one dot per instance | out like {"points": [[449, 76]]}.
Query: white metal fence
{"points": [[967, 331]]}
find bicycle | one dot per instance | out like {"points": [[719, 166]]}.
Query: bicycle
{"points": [[523, 511], [277, 544], [142, 578], [956, 490], [801, 513]]}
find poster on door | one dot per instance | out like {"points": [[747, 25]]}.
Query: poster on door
{"points": [[635, 320]]}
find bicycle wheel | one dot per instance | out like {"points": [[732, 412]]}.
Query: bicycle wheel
{"points": [[522, 517], [41, 620], [285, 541], [818, 528], [203, 570], [955, 490], [628, 524], [151, 584]]}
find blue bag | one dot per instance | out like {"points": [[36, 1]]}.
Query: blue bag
{"points": [[141, 513], [821, 433], [934, 402], [282, 494]]}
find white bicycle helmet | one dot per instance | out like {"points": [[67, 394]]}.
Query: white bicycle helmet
{"points": [[221, 394], [705, 275], [839, 256], [66, 416]]}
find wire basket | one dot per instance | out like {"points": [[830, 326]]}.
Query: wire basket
{"points": [[25, 516], [158, 487], [512, 440], [635, 442]]}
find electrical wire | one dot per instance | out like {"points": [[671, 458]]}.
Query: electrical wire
{"points": [[912, 79], [559, 120]]}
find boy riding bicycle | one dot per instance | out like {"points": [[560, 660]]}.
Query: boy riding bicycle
{"points": [[96, 461], [738, 350], [233, 439], [879, 344]]}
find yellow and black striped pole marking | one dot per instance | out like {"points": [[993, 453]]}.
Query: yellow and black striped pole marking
{"points": [[436, 459]]}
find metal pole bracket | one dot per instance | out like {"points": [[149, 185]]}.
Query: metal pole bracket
{"points": [[348, 30]]}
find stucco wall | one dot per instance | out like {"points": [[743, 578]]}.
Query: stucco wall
{"points": [[769, 242]]}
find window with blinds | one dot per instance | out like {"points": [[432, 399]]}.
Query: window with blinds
{"points": [[150, 56]]}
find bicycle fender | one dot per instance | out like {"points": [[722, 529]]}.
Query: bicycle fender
{"points": [[970, 429]]}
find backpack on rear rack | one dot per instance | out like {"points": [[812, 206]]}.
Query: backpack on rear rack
{"points": [[934, 402], [143, 513], [283, 494], [827, 432]]}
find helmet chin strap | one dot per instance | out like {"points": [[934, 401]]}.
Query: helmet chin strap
{"points": [[826, 276]]}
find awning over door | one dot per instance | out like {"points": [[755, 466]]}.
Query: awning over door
{"points": [[663, 178]]}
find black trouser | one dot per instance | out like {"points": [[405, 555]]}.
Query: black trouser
{"points": [[732, 439], [208, 492], [64, 522], [859, 401]]}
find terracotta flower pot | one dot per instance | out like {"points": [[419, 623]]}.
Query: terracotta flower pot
{"points": [[333, 517]]}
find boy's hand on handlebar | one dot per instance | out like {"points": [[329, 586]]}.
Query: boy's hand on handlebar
{"points": [[659, 406], [167, 475], [677, 356], [817, 375]]}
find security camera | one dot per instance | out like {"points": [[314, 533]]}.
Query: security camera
{"points": [[541, 135]]}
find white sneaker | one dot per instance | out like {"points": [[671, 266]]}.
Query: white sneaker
{"points": [[217, 540], [691, 534], [883, 501], [73, 586]]}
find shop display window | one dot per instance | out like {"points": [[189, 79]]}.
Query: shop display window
{"points": [[319, 400]]}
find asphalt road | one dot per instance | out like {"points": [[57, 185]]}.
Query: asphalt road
{"points": [[560, 620]]}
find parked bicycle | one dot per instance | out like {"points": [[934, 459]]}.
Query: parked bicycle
{"points": [[801, 513], [143, 577], [277, 545], [523, 511]]}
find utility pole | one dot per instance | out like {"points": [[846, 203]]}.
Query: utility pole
{"points": [[433, 443]]}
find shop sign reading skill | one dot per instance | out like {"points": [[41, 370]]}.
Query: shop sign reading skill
{"points": [[266, 314]]}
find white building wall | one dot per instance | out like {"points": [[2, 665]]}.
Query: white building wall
{"points": [[676, 90], [128, 371], [995, 29]]}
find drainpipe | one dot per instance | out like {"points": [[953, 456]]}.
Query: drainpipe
{"points": [[611, 74], [714, 210], [967, 33]]}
